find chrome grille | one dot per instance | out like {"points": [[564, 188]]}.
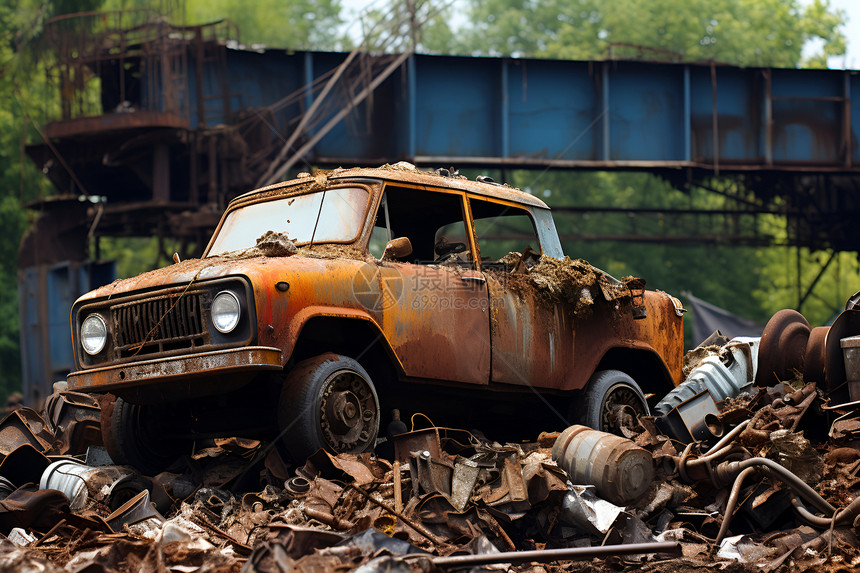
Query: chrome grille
{"points": [[161, 323]]}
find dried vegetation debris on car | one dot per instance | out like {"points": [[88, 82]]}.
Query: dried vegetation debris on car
{"points": [[571, 282]]}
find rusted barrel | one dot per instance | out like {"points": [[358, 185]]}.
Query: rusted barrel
{"points": [[620, 470]]}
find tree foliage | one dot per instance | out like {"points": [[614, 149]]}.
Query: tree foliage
{"points": [[22, 85], [297, 24], [741, 32]]}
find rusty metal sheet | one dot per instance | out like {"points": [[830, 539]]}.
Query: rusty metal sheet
{"points": [[431, 474], [463, 482], [76, 420], [114, 122], [439, 326], [24, 464], [549, 344], [531, 342], [24, 426]]}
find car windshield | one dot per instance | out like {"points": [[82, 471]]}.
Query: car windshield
{"points": [[329, 216]]}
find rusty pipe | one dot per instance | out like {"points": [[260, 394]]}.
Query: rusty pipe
{"points": [[721, 448], [550, 555], [726, 440], [727, 471], [698, 465], [849, 514], [807, 516], [732, 502], [328, 519]]}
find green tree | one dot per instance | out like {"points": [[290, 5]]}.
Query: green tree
{"points": [[740, 32], [298, 24], [23, 92]]}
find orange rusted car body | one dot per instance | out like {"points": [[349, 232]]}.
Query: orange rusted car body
{"points": [[457, 325]]}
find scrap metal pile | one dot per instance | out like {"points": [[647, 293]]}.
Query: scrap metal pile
{"points": [[736, 468]]}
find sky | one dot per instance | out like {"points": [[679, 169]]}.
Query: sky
{"points": [[851, 29]]}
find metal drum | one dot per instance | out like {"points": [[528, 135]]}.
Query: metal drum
{"points": [[620, 470]]}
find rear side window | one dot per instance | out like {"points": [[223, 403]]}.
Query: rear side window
{"points": [[502, 229]]}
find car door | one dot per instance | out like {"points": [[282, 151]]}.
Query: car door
{"points": [[437, 321], [532, 338]]}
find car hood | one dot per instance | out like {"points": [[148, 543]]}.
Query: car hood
{"points": [[194, 270]]}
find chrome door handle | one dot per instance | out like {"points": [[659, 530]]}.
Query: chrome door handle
{"points": [[470, 278]]}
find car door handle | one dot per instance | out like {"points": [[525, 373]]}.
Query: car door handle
{"points": [[471, 278]]}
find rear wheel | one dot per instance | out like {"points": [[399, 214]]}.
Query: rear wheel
{"points": [[610, 400], [134, 434], [328, 402]]}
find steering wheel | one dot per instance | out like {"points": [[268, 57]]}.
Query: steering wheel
{"points": [[445, 250]]}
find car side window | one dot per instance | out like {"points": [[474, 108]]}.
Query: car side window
{"points": [[378, 240], [502, 229], [431, 220]]}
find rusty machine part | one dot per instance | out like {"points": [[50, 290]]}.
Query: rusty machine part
{"points": [[815, 360], [782, 347], [24, 426], [620, 470]]}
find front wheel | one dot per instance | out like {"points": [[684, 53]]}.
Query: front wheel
{"points": [[136, 435], [608, 399], [328, 402]]}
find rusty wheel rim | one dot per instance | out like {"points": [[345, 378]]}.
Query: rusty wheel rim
{"points": [[348, 413], [782, 347], [617, 406]]}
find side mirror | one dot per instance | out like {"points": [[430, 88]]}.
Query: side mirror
{"points": [[397, 249]]}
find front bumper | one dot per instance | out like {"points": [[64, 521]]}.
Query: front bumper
{"points": [[134, 374]]}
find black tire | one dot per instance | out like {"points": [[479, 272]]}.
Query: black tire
{"points": [[133, 435], [605, 392], [328, 402]]}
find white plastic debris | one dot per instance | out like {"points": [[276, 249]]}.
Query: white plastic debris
{"points": [[21, 537], [729, 549], [584, 510]]}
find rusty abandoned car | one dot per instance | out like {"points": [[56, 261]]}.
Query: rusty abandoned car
{"points": [[324, 303]]}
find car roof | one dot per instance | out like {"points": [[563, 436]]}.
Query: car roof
{"points": [[407, 173]]}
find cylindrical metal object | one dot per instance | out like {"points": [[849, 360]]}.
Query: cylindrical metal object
{"points": [[69, 477], [851, 356], [620, 471], [113, 485]]}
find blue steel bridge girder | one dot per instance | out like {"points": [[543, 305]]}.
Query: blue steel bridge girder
{"points": [[601, 115], [771, 128]]}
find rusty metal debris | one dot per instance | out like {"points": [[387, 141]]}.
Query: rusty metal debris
{"points": [[775, 489]]}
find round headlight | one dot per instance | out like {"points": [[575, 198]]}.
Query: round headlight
{"points": [[225, 312], [93, 334]]}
